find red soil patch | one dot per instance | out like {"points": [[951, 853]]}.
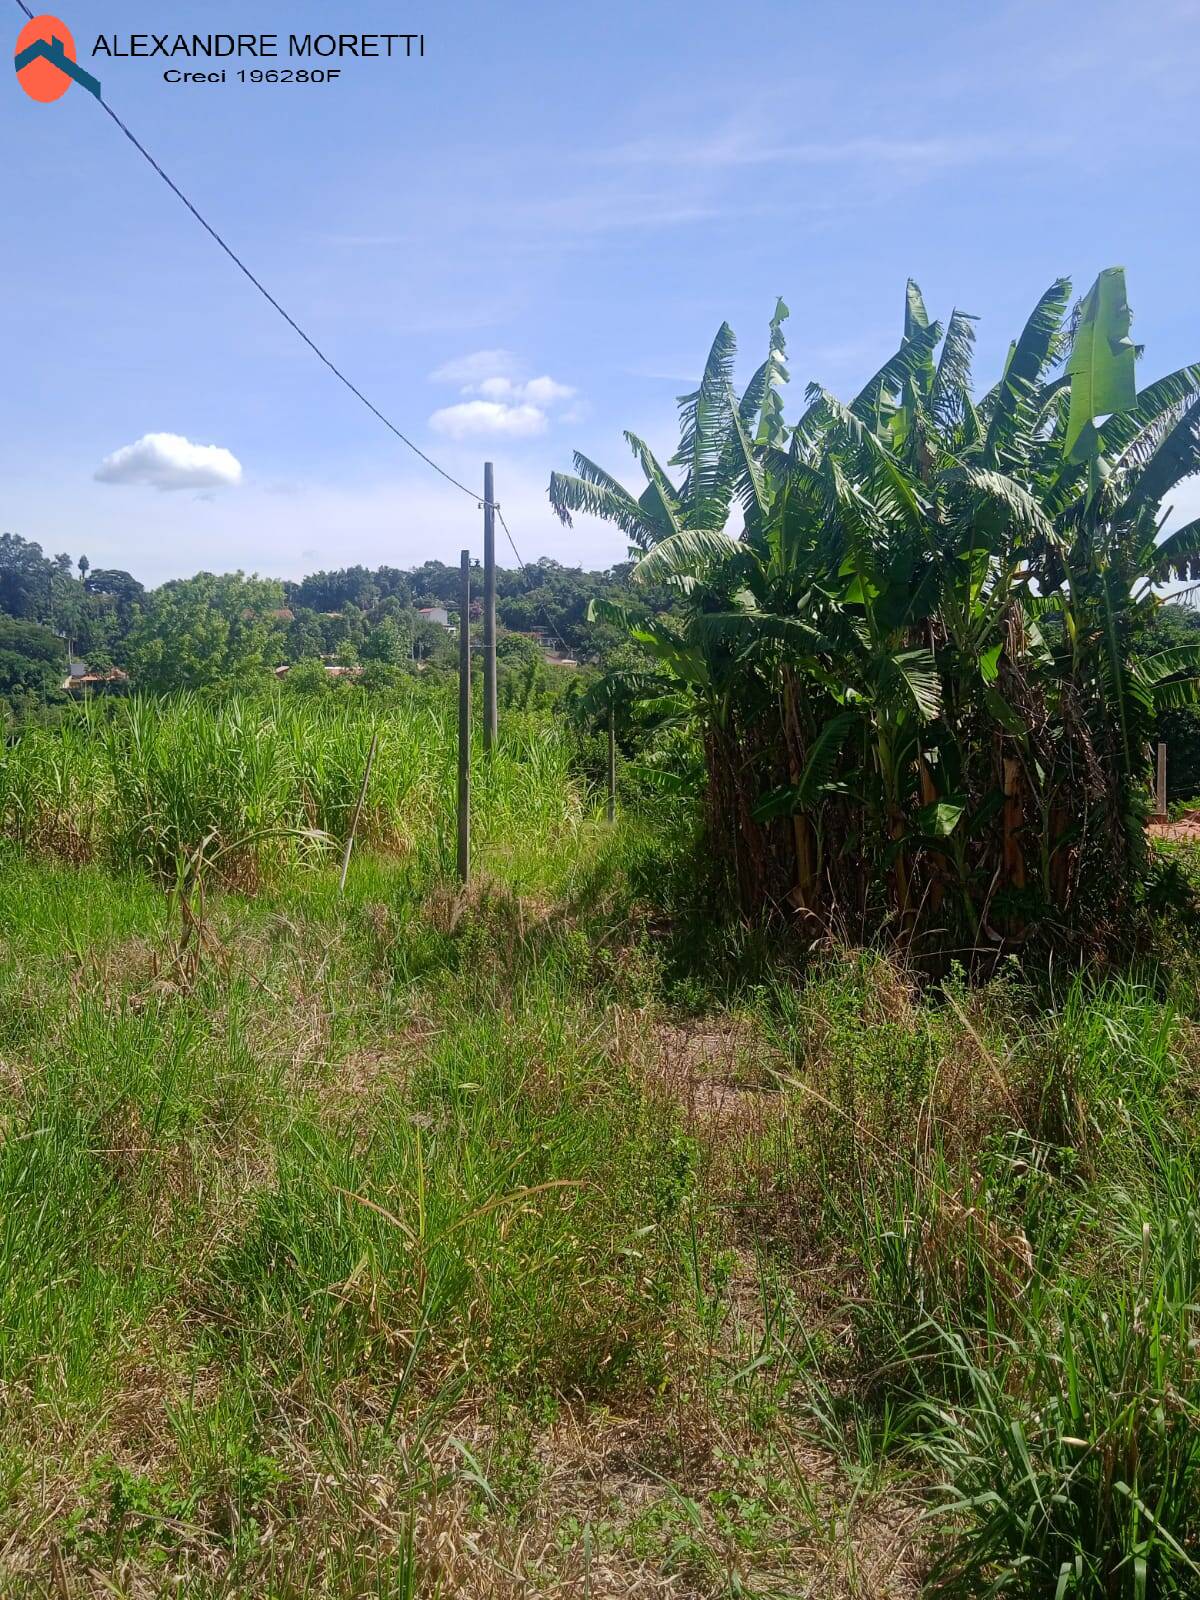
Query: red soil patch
{"points": [[1186, 829]]}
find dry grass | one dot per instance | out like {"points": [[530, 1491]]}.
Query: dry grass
{"points": [[218, 1457], [592, 1503]]}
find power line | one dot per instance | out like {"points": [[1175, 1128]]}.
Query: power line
{"points": [[509, 537], [299, 331], [290, 320], [270, 298], [525, 569]]}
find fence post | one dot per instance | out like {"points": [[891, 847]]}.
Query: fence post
{"points": [[464, 719], [490, 713], [1161, 800]]}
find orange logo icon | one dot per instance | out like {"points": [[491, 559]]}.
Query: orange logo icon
{"points": [[45, 60]]}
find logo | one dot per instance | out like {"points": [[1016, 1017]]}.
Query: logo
{"points": [[45, 61]]}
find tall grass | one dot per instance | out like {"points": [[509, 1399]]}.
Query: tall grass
{"points": [[261, 1233], [390, 1194], [1011, 1202], [265, 783]]}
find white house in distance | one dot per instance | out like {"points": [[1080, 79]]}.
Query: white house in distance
{"points": [[437, 614]]}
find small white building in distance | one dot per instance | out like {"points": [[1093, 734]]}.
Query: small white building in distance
{"points": [[437, 614]]}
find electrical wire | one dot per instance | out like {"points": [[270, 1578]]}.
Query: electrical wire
{"points": [[525, 570], [310, 342], [270, 298]]}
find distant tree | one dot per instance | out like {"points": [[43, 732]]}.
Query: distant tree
{"points": [[206, 632], [514, 649], [519, 613], [305, 639], [355, 621], [330, 591], [431, 642], [435, 584], [308, 677], [545, 596], [98, 633], [393, 584], [379, 677], [68, 611], [100, 658], [113, 583], [25, 579], [32, 659], [108, 617], [388, 643], [348, 625], [111, 600], [66, 598]]}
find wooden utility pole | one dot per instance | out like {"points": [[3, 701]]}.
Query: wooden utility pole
{"points": [[464, 719], [612, 764], [1161, 795], [490, 713]]}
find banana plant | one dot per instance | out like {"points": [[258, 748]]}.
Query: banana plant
{"points": [[909, 624]]}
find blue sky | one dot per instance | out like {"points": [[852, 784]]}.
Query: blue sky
{"points": [[543, 221]]}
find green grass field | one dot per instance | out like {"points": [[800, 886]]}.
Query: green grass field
{"points": [[551, 1237]]}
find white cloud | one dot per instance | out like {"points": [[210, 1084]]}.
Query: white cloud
{"points": [[493, 389], [473, 369], [496, 400], [545, 391], [169, 461], [475, 417]]}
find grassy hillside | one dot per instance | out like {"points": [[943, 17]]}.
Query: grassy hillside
{"points": [[551, 1237]]}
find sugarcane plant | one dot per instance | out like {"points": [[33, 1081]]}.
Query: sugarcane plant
{"points": [[911, 627]]}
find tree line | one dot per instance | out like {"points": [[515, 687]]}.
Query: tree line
{"points": [[226, 632]]}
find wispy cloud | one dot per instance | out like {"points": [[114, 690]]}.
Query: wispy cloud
{"points": [[740, 145], [478, 417], [675, 181], [476, 367], [615, 209]]}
